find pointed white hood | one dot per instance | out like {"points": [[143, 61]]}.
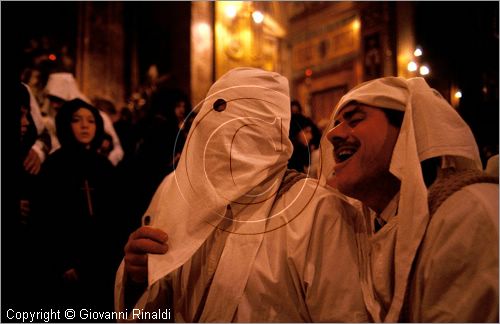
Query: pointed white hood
{"points": [[234, 157]]}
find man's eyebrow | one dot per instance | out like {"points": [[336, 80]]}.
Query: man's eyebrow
{"points": [[348, 114]]}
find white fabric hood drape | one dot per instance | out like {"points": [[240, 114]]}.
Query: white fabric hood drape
{"points": [[430, 128], [63, 85], [236, 157]]}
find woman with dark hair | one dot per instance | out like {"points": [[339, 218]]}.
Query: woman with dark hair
{"points": [[77, 208], [79, 126]]}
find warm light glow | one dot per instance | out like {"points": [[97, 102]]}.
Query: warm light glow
{"points": [[231, 11], [424, 70], [356, 25], [202, 36], [203, 30], [418, 52], [258, 17], [412, 66], [52, 57], [308, 72], [458, 94]]}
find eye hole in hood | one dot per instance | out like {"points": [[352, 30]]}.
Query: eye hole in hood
{"points": [[220, 105]]}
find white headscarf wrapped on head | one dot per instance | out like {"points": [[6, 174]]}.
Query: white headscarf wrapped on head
{"points": [[430, 128], [235, 155]]}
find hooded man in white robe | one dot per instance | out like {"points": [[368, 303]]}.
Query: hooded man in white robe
{"points": [[247, 240], [430, 254]]}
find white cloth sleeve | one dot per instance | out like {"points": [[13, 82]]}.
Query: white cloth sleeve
{"points": [[457, 280]]}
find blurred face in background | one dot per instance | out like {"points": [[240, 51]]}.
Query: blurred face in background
{"points": [[83, 126], [24, 121], [305, 136], [295, 109], [180, 110], [55, 103]]}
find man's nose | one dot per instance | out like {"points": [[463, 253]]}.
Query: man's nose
{"points": [[338, 133]]}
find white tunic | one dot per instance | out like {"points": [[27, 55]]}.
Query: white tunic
{"points": [[303, 271], [455, 275], [459, 260]]}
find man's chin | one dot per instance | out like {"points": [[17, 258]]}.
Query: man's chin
{"points": [[347, 188]]}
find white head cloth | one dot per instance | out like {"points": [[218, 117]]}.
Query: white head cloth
{"points": [[236, 157], [430, 128], [63, 85]]}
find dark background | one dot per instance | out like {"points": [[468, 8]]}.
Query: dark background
{"points": [[460, 42], [459, 39]]}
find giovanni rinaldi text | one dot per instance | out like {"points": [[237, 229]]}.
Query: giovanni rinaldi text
{"points": [[84, 314]]}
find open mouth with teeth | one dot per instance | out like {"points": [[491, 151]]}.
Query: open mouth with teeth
{"points": [[344, 153]]}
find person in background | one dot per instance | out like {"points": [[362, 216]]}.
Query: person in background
{"points": [[296, 107], [61, 87], [305, 137], [126, 131], [77, 211], [159, 149], [42, 145], [106, 145], [18, 257], [301, 136]]}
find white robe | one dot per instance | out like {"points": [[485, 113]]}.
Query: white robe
{"points": [[455, 275], [302, 272]]}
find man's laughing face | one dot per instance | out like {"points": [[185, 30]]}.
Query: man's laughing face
{"points": [[363, 141]]}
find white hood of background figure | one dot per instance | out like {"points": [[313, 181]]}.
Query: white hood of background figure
{"points": [[63, 85]]}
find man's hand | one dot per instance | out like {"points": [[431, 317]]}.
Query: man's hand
{"points": [[32, 163], [144, 240]]}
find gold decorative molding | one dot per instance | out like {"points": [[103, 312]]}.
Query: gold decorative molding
{"points": [[240, 41], [328, 46]]}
